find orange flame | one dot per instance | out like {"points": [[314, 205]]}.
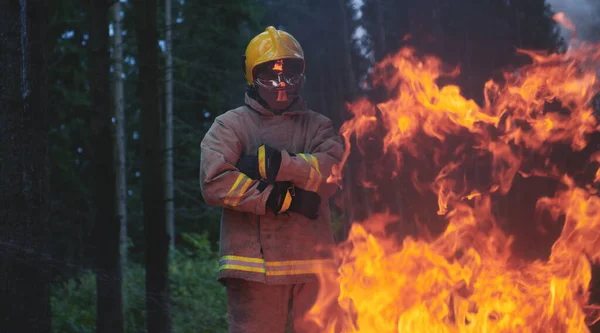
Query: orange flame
{"points": [[467, 279]]}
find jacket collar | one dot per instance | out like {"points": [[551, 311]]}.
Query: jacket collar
{"points": [[297, 108]]}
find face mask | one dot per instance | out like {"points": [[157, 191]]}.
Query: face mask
{"points": [[280, 97], [277, 86]]}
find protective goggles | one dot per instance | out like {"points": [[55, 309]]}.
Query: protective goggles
{"points": [[280, 81], [280, 74]]}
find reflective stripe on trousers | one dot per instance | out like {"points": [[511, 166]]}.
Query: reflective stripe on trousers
{"points": [[273, 268]]}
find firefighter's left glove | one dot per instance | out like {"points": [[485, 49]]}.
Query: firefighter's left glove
{"points": [[269, 162], [264, 165], [285, 197]]}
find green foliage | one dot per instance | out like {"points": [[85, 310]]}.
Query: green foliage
{"points": [[74, 306], [198, 300], [338, 220]]}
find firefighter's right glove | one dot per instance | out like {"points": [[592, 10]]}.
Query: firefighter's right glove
{"points": [[264, 165], [285, 197]]}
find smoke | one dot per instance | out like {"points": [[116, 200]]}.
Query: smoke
{"points": [[585, 14]]}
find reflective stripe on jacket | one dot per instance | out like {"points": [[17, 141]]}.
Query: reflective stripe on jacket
{"points": [[256, 244]]}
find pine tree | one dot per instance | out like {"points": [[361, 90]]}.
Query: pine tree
{"points": [[109, 313], [153, 187], [24, 229]]}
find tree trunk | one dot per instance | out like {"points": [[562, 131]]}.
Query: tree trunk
{"points": [[24, 232], [350, 82], [120, 139], [169, 182], [356, 195], [380, 48], [518, 28], [109, 317], [153, 188]]}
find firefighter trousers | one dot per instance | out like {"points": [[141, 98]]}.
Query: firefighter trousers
{"points": [[255, 307]]}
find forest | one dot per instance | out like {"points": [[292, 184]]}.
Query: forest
{"points": [[105, 102]]}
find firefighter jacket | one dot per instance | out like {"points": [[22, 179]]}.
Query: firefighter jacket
{"points": [[256, 244]]}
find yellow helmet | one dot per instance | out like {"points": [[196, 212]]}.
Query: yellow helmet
{"points": [[272, 44]]}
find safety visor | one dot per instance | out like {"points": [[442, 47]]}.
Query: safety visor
{"points": [[279, 74]]}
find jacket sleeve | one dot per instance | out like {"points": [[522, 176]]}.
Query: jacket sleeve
{"points": [[310, 170], [221, 183]]}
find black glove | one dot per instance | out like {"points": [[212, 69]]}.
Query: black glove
{"points": [[269, 162], [248, 165], [306, 203], [285, 197], [264, 165]]}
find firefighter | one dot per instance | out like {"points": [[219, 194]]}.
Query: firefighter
{"points": [[267, 163]]}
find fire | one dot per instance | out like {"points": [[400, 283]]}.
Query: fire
{"points": [[467, 278]]}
